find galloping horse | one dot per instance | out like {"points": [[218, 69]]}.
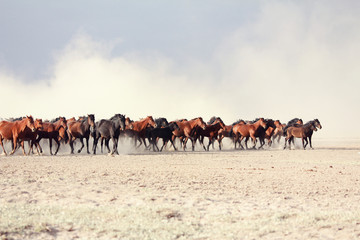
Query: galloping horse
{"points": [[54, 130], [31, 136], [226, 132], [273, 127], [302, 131], [16, 131], [139, 127], [249, 130], [185, 130], [109, 129], [81, 129], [211, 131]]}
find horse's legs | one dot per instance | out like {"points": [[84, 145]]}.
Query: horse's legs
{"points": [[208, 147], [255, 141], [306, 142], [101, 144], [87, 145], [50, 145], [286, 139], [58, 145], [184, 143], [95, 144], [193, 141], [310, 142], [82, 145], [173, 144], [14, 145], [164, 142], [107, 140], [22, 143], [2, 145]]}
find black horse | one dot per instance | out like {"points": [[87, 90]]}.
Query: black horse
{"points": [[165, 133], [109, 129]]}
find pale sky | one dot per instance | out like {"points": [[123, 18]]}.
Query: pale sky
{"points": [[183, 59]]}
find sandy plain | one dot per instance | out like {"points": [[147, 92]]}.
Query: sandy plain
{"points": [[253, 194]]}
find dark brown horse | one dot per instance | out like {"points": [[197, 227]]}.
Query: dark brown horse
{"points": [[54, 130], [211, 131], [185, 130], [302, 131], [81, 129], [15, 131], [249, 130]]}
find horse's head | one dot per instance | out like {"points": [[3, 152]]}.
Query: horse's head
{"points": [[128, 123], [62, 122], [173, 126], [91, 122], [278, 125], [38, 123], [30, 123], [161, 122], [313, 126], [221, 123], [201, 123], [122, 121], [300, 121], [150, 121], [317, 123], [263, 123]]}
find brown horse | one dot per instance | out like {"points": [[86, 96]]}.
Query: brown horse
{"points": [[81, 129], [226, 132], [186, 132], [16, 131], [249, 130], [139, 129], [273, 126], [54, 130], [211, 131], [303, 131]]}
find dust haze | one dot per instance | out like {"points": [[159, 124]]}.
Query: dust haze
{"points": [[285, 63]]}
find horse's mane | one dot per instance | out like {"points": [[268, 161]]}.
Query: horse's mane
{"points": [[238, 121], [293, 121], [212, 120], [15, 119], [116, 116], [195, 118], [55, 120]]}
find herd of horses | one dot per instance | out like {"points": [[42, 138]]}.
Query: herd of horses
{"points": [[148, 131]]}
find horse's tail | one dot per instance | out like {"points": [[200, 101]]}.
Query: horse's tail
{"points": [[231, 133], [285, 131]]}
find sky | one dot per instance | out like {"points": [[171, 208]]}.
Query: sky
{"points": [[183, 59]]}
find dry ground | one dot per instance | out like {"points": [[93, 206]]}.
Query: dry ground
{"points": [[267, 194]]}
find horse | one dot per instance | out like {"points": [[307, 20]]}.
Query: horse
{"points": [[161, 122], [226, 132], [81, 129], [272, 127], [211, 131], [53, 130], [140, 128], [165, 133], [185, 130], [16, 131], [109, 129], [31, 136], [302, 131], [249, 130]]}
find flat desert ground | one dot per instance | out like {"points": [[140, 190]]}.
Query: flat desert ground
{"points": [[230, 194]]}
